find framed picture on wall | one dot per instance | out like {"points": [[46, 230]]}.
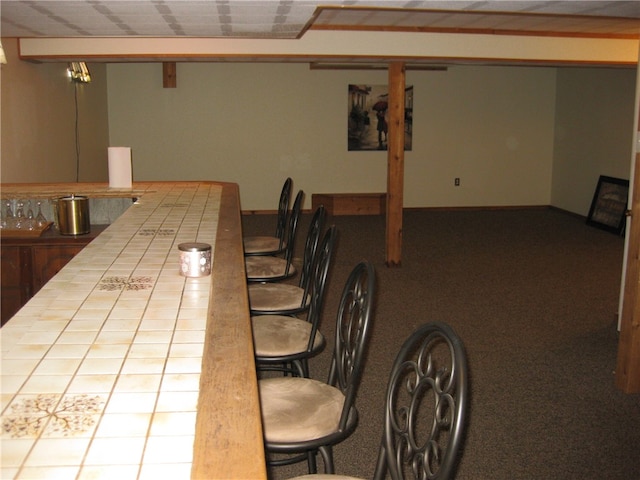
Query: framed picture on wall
{"points": [[609, 204], [367, 124]]}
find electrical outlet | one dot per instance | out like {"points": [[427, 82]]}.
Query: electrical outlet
{"points": [[456, 181]]}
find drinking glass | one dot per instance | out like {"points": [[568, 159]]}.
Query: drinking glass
{"points": [[20, 218], [30, 222], [8, 221], [41, 221]]}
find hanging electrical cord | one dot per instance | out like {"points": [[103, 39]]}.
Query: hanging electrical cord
{"points": [[78, 73], [77, 127]]}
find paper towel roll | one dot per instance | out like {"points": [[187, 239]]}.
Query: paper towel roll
{"points": [[119, 167]]}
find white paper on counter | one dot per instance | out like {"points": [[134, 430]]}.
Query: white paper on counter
{"points": [[120, 167]]}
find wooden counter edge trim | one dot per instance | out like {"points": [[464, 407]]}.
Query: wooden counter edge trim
{"points": [[228, 441]]}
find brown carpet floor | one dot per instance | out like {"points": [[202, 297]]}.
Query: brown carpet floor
{"points": [[533, 293]]}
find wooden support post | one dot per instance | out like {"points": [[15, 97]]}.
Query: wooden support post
{"points": [[169, 78], [395, 164], [628, 364]]}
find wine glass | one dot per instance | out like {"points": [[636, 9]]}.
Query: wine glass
{"points": [[30, 223], [19, 218], [8, 221], [41, 221]]}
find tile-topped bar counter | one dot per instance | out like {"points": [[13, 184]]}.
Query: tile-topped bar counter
{"points": [[119, 367]]}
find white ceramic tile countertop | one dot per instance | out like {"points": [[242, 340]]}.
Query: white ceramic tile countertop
{"points": [[100, 370]]}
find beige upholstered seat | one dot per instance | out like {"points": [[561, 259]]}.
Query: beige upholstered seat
{"points": [[303, 416], [298, 409], [262, 244], [265, 269], [282, 335], [266, 298], [324, 476], [268, 244]]}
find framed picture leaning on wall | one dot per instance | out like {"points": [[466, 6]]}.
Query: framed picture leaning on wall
{"points": [[609, 204]]}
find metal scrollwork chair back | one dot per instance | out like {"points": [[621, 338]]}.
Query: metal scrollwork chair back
{"points": [[271, 245], [273, 268], [426, 406], [425, 412]]}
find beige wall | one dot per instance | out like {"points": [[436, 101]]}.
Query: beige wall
{"points": [[38, 139], [593, 132], [255, 124], [513, 135]]}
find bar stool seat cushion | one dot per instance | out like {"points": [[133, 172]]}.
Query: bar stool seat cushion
{"points": [[268, 267], [261, 243], [275, 297], [324, 476], [296, 409], [277, 335]]}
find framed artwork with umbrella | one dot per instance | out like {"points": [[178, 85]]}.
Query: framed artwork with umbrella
{"points": [[368, 107]]}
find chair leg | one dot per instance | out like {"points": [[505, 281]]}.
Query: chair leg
{"points": [[305, 368], [380, 472], [327, 456], [301, 368], [311, 461]]}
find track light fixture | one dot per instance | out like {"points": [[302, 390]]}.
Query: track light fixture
{"points": [[78, 72]]}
